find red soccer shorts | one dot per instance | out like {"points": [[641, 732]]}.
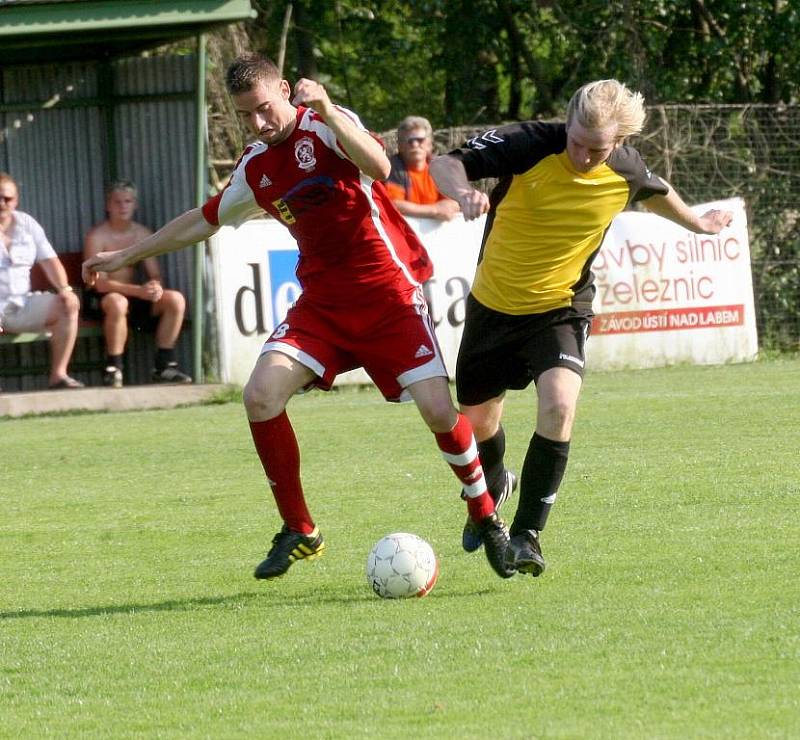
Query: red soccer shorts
{"points": [[393, 341]]}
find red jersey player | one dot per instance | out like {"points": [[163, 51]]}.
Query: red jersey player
{"points": [[315, 168]]}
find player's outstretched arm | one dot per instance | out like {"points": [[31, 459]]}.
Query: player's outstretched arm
{"points": [[365, 153], [188, 228], [671, 206], [451, 178]]}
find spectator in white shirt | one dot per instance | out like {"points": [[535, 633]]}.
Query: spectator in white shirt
{"points": [[22, 244]]}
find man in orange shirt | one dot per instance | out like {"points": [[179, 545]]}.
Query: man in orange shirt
{"points": [[410, 184]]}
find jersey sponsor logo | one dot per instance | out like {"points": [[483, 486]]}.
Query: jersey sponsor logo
{"points": [[304, 154], [284, 211], [486, 138], [570, 358], [265, 182], [423, 351], [310, 193]]}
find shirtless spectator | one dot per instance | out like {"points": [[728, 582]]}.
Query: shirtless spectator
{"points": [[118, 298]]}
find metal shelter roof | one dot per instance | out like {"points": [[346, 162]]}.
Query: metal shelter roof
{"points": [[35, 31]]}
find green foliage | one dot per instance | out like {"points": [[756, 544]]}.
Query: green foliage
{"points": [[482, 61], [669, 608]]}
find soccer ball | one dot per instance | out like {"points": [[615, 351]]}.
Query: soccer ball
{"points": [[401, 565]]}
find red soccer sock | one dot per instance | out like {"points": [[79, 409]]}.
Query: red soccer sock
{"points": [[461, 453], [277, 447]]}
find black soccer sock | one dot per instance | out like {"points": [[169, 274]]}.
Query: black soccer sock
{"points": [[542, 472], [114, 361], [164, 357], [491, 452]]}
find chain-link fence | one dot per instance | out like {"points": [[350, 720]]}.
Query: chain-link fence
{"points": [[722, 151]]}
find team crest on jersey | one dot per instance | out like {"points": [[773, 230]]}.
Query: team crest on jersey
{"points": [[304, 154]]}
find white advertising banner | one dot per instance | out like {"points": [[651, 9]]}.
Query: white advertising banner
{"points": [[256, 284], [664, 295]]}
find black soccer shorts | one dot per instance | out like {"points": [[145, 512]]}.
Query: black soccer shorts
{"points": [[501, 352]]}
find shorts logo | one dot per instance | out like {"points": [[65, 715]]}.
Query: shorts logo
{"points": [[570, 358], [551, 499], [423, 351], [304, 154], [265, 182]]}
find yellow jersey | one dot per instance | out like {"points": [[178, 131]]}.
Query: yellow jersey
{"points": [[547, 220]]}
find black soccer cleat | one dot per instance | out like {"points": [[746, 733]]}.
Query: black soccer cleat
{"points": [[524, 553], [471, 538], [288, 546], [494, 534]]}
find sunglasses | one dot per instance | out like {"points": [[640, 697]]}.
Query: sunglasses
{"points": [[415, 140]]}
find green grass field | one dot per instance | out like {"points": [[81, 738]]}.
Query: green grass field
{"points": [[670, 607]]}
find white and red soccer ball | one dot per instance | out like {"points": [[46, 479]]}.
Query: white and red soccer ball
{"points": [[402, 565]]}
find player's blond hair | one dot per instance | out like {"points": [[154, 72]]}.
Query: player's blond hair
{"points": [[603, 103], [5, 177], [122, 186]]}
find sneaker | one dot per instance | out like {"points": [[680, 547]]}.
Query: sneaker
{"points": [[471, 536], [494, 534], [112, 377], [524, 553], [288, 546], [171, 374]]}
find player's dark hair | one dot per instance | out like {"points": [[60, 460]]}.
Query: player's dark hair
{"points": [[247, 70]]}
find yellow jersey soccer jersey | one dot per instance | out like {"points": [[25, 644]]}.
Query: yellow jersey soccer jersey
{"points": [[546, 220]]}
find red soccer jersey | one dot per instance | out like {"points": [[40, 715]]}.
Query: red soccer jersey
{"points": [[354, 244]]}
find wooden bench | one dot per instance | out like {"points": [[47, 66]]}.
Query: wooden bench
{"points": [[24, 357], [25, 361]]}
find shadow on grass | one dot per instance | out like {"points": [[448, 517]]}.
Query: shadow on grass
{"points": [[268, 597]]}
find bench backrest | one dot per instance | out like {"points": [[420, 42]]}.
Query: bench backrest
{"points": [[72, 264]]}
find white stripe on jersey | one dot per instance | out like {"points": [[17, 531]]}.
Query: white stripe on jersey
{"points": [[325, 133], [375, 214], [238, 202]]}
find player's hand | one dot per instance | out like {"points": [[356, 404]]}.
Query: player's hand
{"points": [[713, 221], [473, 203], [101, 262], [313, 95], [152, 291]]}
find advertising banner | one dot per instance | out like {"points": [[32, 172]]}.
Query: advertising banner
{"points": [[664, 295]]}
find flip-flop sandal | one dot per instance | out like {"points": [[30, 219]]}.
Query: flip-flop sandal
{"points": [[66, 383]]}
